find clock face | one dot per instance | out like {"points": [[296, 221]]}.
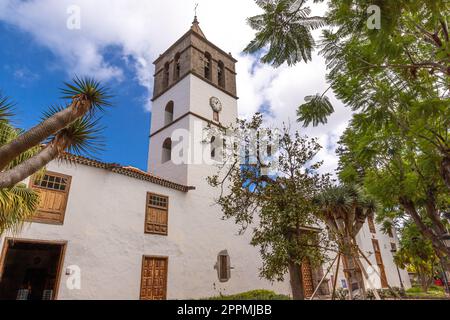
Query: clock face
{"points": [[215, 103]]}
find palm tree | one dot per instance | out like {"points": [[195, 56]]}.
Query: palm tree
{"points": [[82, 136], [283, 31], [72, 128], [344, 210], [18, 203]]}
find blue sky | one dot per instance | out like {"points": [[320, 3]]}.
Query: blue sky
{"points": [[32, 76], [117, 42]]}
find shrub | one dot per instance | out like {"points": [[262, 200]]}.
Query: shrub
{"points": [[341, 294], [253, 295], [391, 293]]}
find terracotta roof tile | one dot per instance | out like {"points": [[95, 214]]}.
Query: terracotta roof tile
{"points": [[127, 171]]}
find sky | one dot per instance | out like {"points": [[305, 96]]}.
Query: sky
{"points": [[116, 43]]}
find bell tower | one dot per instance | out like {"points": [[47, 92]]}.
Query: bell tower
{"points": [[194, 86]]}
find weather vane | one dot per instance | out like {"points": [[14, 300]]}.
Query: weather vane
{"points": [[195, 9]]}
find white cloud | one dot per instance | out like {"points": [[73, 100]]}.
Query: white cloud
{"points": [[144, 29]]}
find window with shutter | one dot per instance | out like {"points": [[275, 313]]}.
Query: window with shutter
{"points": [[223, 266], [371, 225], [157, 215], [393, 247], [53, 189]]}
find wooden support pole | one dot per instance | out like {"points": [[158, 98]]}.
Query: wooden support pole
{"points": [[336, 276], [375, 292], [323, 278], [376, 271]]}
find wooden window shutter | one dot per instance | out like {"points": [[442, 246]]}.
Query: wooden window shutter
{"points": [[154, 278], [371, 225], [223, 266], [157, 214], [53, 189]]}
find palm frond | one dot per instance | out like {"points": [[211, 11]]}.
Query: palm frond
{"points": [[6, 108], [84, 136], [7, 132], [256, 22], [17, 205], [98, 95], [317, 109], [284, 32], [263, 3]]}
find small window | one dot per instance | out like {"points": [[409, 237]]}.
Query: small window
{"points": [[393, 247], [224, 147], [221, 74], [156, 218], [166, 75], [371, 225], [168, 115], [167, 151], [269, 151], [53, 189], [223, 266], [213, 147], [217, 148], [177, 69], [207, 65]]}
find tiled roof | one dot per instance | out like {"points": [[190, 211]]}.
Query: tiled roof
{"points": [[126, 171]]}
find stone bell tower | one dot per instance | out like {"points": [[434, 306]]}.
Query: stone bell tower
{"points": [[194, 86]]}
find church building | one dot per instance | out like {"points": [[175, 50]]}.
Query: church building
{"points": [[107, 231]]}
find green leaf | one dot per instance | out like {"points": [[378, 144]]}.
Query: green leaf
{"points": [[316, 110]]}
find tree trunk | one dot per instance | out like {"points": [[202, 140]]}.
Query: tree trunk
{"points": [[424, 281], [296, 279], [359, 272], [432, 212], [32, 165], [445, 171], [410, 209], [33, 137], [352, 271], [352, 275]]}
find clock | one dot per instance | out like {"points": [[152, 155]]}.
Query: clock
{"points": [[215, 104]]}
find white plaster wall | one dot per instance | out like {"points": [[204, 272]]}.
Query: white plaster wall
{"points": [[180, 95], [365, 241], [104, 227], [189, 95], [168, 170]]}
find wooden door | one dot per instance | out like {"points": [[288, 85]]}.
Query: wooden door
{"points": [[154, 278], [379, 259], [307, 275]]}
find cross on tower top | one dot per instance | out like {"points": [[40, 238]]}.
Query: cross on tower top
{"points": [[195, 14]]}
